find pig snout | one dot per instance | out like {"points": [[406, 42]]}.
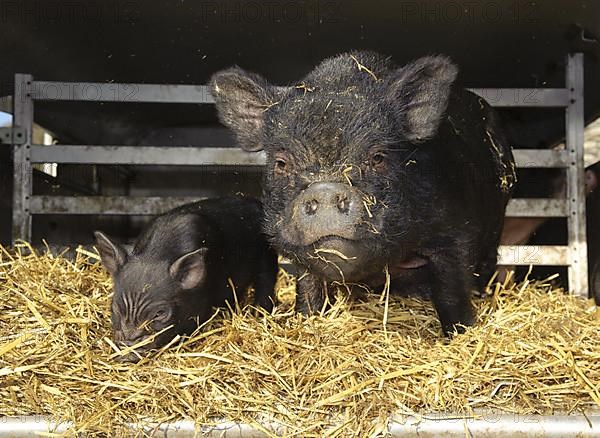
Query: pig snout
{"points": [[326, 198], [326, 209], [127, 339]]}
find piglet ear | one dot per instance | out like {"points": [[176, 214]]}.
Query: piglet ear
{"points": [[419, 92], [113, 255], [189, 270], [242, 98]]}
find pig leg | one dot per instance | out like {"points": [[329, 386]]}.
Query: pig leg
{"points": [[487, 265], [310, 294], [451, 296], [264, 285]]}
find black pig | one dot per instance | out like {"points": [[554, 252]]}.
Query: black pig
{"points": [[181, 267], [374, 168]]}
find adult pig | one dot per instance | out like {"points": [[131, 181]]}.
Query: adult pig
{"points": [[185, 263], [374, 168]]}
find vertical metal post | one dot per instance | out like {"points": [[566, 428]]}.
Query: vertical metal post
{"points": [[23, 176], [578, 270]]}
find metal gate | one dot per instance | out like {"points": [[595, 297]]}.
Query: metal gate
{"points": [[25, 154]]}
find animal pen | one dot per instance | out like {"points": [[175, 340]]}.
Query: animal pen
{"points": [[26, 204], [486, 421]]}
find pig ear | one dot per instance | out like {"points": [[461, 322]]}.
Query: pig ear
{"points": [[113, 255], [189, 270], [242, 99], [420, 93]]}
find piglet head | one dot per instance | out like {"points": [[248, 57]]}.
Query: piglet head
{"points": [[151, 295]]}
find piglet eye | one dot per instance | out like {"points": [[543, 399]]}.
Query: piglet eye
{"points": [[378, 160], [161, 314]]}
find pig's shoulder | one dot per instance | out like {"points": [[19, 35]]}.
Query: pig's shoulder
{"points": [[175, 232]]}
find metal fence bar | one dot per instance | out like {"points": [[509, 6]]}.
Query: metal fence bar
{"points": [[142, 155], [167, 93], [111, 92], [534, 207], [578, 269], [106, 205], [152, 205], [192, 155], [22, 173], [527, 158], [524, 97], [6, 104], [537, 255]]}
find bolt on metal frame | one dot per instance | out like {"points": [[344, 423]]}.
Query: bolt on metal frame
{"points": [[25, 204]]}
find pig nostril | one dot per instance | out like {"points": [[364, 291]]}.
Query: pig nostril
{"points": [[310, 207], [343, 204]]}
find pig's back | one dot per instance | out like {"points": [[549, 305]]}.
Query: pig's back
{"points": [[475, 169], [473, 156], [222, 224]]}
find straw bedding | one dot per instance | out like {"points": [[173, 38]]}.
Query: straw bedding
{"points": [[534, 350]]}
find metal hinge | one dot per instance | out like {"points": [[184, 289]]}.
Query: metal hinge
{"points": [[12, 135]]}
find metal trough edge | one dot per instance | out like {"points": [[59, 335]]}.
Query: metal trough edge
{"points": [[485, 425]]}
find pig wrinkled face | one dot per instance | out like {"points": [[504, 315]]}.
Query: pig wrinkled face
{"points": [[148, 294], [142, 304], [339, 187], [329, 187]]}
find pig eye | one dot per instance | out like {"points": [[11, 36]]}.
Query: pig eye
{"points": [[378, 160], [161, 315], [281, 164]]}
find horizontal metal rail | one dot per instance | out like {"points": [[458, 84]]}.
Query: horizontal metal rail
{"points": [[109, 92], [199, 94], [142, 155], [537, 207], [527, 158], [524, 97], [153, 205], [491, 424], [106, 205], [208, 156], [537, 255], [126, 205]]}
